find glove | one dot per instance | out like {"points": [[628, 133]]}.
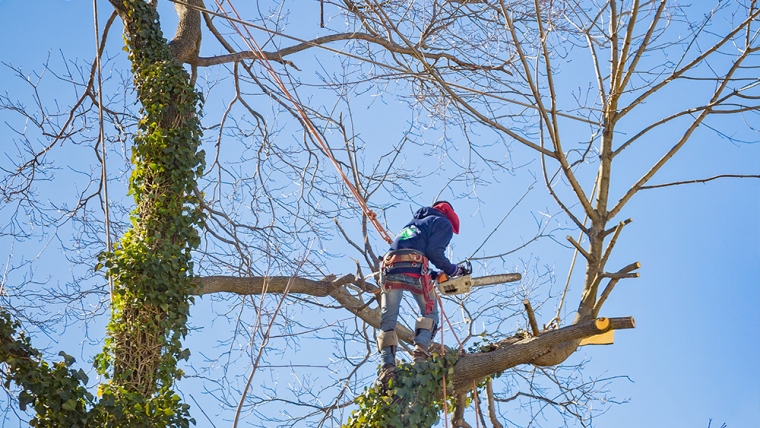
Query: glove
{"points": [[459, 271], [466, 267]]}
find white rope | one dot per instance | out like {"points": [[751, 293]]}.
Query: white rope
{"points": [[101, 137]]}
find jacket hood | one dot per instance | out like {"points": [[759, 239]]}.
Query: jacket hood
{"points": [[427, 212], [430, 211]]}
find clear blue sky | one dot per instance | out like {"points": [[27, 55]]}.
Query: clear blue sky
{"points": [[695, 351]]}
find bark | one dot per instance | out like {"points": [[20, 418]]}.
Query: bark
{"points": [[187, 40], [186, 43]]}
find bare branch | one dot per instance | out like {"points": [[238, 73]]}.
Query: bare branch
{"points": [[702, 180], [622, 273], [491, 406]]}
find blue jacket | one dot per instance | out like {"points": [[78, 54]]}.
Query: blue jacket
{"points": [[429, 232]]}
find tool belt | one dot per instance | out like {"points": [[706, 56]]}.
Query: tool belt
{"points": [[412, 264]]}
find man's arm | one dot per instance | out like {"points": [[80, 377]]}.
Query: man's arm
{"points": [[440, 236]]}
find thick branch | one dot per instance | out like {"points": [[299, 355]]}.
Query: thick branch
{"points": [[274, 284], [187, 40], [369, 315], [475, 367], [322, 288], [319, 41]]}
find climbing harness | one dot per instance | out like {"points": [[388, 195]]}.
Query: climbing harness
{"points": [[412, 264]]}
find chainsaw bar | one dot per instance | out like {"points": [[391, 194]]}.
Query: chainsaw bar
{"points": [[463, 284], [495, 279]]}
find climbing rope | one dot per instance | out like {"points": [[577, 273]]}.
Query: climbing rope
{"points": [[371, 215], [254, 47], [101, 139], [443, 352]]}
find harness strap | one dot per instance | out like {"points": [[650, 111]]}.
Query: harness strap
{"points": [[392, 258], [414, 264]]}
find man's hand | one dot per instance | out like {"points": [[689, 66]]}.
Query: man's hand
{"points": [[459, 271]]}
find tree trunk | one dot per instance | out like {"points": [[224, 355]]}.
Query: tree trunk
{"points": [[151, 266]]}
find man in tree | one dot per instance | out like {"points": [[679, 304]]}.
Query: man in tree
{"points": [[405, 267]]}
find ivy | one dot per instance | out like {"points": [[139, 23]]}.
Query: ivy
{"points": [[416, 400], [56, 392], [151, 266]]}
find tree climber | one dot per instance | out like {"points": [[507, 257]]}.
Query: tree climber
{"points": [[405, 267]]}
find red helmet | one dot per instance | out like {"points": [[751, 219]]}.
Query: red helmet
{"points": [[448, 212]]}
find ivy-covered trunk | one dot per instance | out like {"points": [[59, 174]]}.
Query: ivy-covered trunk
{"points": [[151, 266]]}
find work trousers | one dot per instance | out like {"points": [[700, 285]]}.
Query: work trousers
{"points": [[391, 302]]}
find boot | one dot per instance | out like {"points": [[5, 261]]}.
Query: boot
{"points": [[387, 378], [420, 354]]}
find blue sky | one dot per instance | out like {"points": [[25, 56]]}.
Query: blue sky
{"points": [[693, 355]]}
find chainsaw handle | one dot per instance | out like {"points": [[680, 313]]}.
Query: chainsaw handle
{"points": [[466, 267]]}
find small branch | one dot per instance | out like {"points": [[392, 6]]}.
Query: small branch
{"points": [[239, 56], [631, 267], [457, 420], [603, 297], [625, 272], [613, 241], [345, 235], [703, 180], [614, 229], [491, 407], [531, 318], [622, 273], [578, 247]]}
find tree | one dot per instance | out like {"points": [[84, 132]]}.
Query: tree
{"points": [[467, 72]]}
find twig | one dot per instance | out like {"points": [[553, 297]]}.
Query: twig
{"points": [[491, 405], [703, 180], [265, 338], [531, 317]]}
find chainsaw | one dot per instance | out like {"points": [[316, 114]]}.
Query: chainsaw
{"points": [[462, 284]]}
